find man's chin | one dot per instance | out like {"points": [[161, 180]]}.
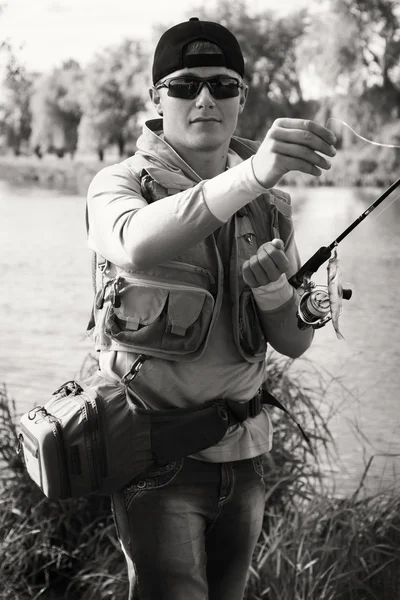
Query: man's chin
{"points": [[207, 142]]}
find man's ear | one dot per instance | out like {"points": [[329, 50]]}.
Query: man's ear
{"points": [[156, 100], [243, 97]]}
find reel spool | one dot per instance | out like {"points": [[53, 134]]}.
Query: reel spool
{"points": [[314, 308]]}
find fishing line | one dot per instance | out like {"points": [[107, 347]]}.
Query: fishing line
{"points": [[318, 306], [372, 142], [386, 207], [364, 139]]}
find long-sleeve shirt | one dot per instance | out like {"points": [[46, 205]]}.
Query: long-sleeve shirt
{"points": [[129, 232]]}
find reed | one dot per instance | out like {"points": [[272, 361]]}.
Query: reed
{"points": [[342, 549], [314, 545]]}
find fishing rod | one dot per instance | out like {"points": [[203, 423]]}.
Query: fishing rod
{"points": [[314, 307], [313, 264]]}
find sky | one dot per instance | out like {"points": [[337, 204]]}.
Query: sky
{"points": [[43, 33]]}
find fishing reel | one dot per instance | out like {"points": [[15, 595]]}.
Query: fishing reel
{"points": [[314, 308]]}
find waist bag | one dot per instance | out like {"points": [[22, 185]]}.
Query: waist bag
{"points": [[89, 438]]}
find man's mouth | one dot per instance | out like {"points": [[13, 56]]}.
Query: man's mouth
{"points": [[206, 120]]}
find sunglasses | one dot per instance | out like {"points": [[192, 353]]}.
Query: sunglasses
{"points": [[220, 87]]}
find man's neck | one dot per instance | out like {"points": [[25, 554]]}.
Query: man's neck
{"points": [[208, 166], [208, 163]]}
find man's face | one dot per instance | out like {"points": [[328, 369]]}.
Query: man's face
{"points": [[203, 124]]}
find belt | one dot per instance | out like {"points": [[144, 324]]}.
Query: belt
{"points": [[240, 411], [243, 410]]}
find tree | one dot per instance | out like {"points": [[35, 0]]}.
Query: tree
{"points": [[56, 109], [15, 115], [113, 97], [269, 46], [15, 112], [355, 44], [353, 47]]}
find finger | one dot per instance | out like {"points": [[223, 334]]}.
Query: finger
{"points": [[278, 243], [303, 137], [275, 256], [264, 269], [302, 152], [307, 125], [263, 273], [248, 275], [297, 164]]}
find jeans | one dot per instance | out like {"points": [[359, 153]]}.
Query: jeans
{"points": [[188, 529]]}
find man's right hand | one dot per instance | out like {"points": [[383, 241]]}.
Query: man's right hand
{"points": [[293, 145]]}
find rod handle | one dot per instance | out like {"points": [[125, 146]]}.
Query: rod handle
{"points": [[311, 266]]}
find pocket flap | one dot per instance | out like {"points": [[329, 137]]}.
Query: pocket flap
{"points": [[141, 305], [184, 309]]}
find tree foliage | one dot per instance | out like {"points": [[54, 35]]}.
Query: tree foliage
{"points": [[351, 48], [15, 113], [56, 109], [113, 97], [354, 45], [271, 70]]}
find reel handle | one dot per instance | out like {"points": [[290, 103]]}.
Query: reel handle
{"points": [[347, 293]]}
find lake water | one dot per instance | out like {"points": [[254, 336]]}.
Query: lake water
{"points": [[47, 294]]}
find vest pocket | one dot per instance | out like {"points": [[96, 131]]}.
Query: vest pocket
{"points": [[159, 316]]}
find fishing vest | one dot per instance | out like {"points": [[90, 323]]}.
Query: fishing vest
{"points": [[169, 310]]}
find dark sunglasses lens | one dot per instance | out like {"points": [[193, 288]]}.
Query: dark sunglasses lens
{"points": [[224, 88], [183, 88], [188, 89]]}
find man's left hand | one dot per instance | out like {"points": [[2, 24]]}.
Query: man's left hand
{"points": [[267, 265]]}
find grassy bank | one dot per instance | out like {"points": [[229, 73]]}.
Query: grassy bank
{"points": [[314, 545], [350, 168], [64, 174]]}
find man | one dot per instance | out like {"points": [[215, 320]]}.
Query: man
{"points": [[204, 246]]}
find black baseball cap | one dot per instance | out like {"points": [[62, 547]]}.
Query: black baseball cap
{"points": [[169, 55]]}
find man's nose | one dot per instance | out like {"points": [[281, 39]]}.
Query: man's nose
{"points": [[204, 97]]}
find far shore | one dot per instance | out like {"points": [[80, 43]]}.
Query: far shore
{"points": [[73, 176]]}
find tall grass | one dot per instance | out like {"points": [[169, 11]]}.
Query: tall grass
{"points": [[52, 549], [347, 549], [314, 545]]}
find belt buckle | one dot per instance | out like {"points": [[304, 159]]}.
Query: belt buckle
{"points": [[255, 404]]}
